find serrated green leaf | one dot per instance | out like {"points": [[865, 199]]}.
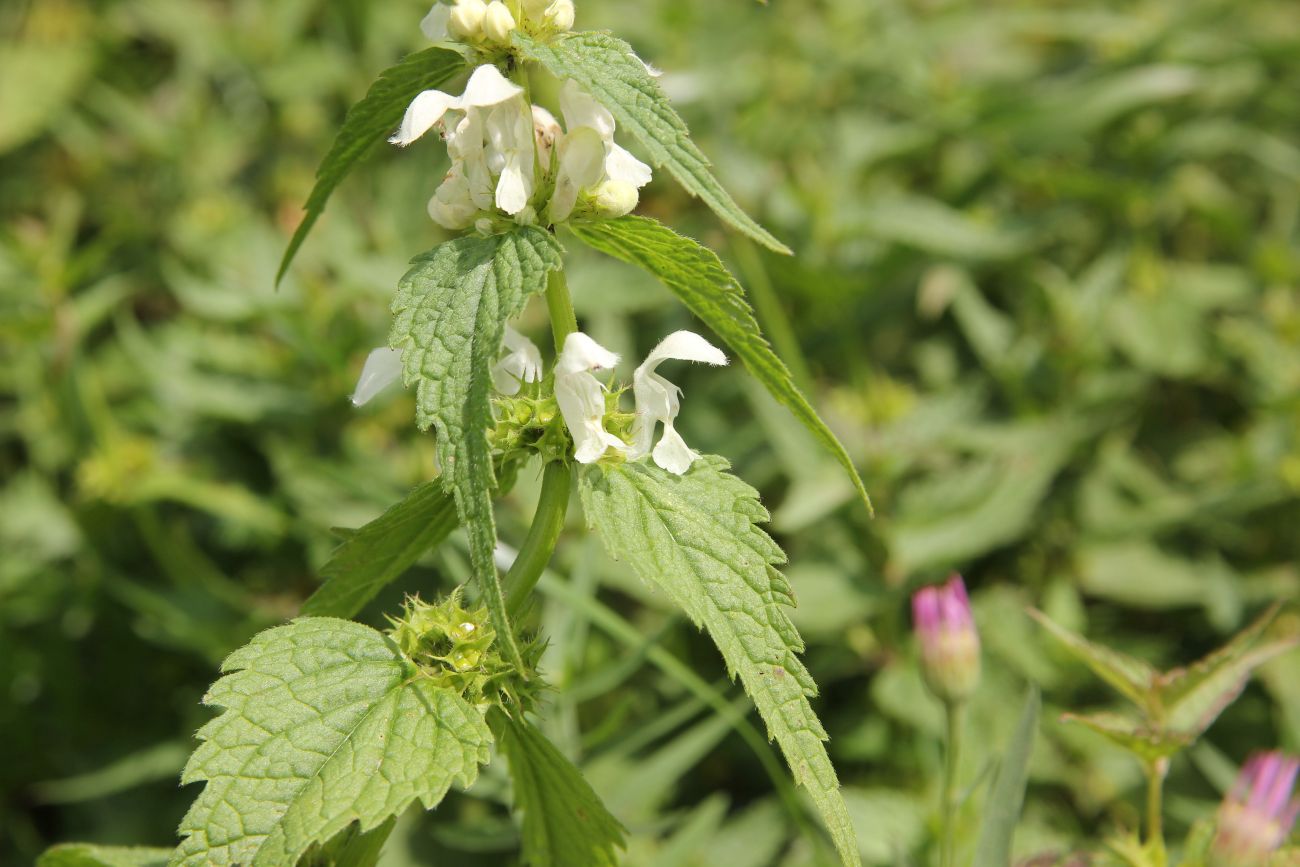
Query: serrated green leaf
{"points": [[379, 552], [1192, 698], [450, 315], [88, 855], [1146, 742], [1132, 678], [607, 68], [324, 723], [369, 122], [702, 282], [697, 537], [564, 822], [1007, 798]]}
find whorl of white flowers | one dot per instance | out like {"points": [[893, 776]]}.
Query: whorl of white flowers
{"points": [[477, 22], [499, 144], [581, 398]]}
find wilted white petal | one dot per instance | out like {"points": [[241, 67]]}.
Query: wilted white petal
{"points": [[434, 25], [422, 114], [581, 397], [522, 364], [672, 453], [487, 86], [383, 367], [620, 165], [658, 400], [581, 109]]}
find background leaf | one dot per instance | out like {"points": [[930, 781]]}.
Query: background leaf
{"points": [[373, 556], [565, 824], [1007, 797], [369, 122], [88, 855]]}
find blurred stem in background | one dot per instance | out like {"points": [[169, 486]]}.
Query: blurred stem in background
{"points": [[1156, 770], [955, 713]]}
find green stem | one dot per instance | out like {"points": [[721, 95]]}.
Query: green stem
{"points": [[956, 718], [548, 521], [1155, 844], [563, 320]]}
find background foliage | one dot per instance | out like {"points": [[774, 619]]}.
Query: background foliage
{"points": [[1047, 288]]}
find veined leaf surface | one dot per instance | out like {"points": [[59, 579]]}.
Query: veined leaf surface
{"points": [[324, 723], [450, 313], [697, 538]]}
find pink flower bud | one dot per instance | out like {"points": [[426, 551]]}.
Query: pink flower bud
{"points": [[1256, 817], [950, 646]]}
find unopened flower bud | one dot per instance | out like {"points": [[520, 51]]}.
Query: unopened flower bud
{"points": [[498, 22], [614, 198], [466, 20], [559, 15], [1256, 816], [950, 646]]}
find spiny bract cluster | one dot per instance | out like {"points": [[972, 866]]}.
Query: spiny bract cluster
{"points": [[456, 648]]}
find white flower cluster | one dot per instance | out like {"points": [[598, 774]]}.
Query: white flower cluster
{"points": [[476, 21], [581, 396], [503, 152]]}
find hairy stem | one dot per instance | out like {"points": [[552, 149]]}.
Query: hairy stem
{"points": [[956, 718], [548, 521], [563, 320]]}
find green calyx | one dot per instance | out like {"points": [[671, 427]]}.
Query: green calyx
{"points": [[456, 647], [530, 422]]}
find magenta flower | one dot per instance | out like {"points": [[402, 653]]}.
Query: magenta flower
{"points": [[1258, 813], [950, 646]]}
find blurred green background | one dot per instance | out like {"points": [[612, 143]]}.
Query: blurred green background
{"points": [[1047, 290]]}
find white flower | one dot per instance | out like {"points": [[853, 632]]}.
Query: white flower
{"points": [[589, 157], [522, 364], [559, 15], [498, 22], [658, 400], [491, 146], [466, 19], [582, 397], [434, 25], [511, 143], [486, 87], [383, 367], [546, 129]]}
